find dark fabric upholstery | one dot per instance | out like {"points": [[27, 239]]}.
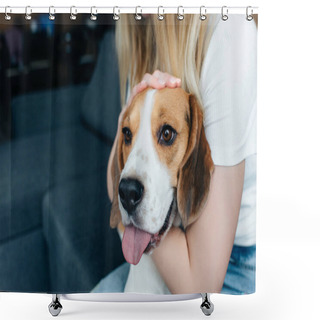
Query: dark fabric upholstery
{"points": [[101, 101], [24, 172], [24, 264], [82, 246], [40, 112], [29, 166], [53, 183]]}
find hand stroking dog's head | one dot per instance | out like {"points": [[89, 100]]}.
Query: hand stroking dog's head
{"points": [[161, 170]]}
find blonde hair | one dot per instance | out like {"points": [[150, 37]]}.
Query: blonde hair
{"points": [[172, 46]]}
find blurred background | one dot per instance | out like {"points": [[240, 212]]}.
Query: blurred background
{"points": [[59, 104]]}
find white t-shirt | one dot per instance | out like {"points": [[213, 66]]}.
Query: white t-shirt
{"points": [[228, 87]]}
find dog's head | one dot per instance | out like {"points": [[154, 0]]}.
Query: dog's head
{"points": [[161, 170]]}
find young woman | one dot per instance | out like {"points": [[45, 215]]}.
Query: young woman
{"points": [[216, 61]]}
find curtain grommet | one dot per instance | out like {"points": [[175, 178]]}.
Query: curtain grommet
{"points": [[249, 17], [180, 14], [160, 15], [73, 13], [138, 16], [224, 13], [7, 12], [93, 15], [52, 12], [116, 16], [203, 13], [28, 13]]}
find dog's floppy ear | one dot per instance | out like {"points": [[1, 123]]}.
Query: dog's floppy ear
{"points": [[117, 165], [196, 168]]}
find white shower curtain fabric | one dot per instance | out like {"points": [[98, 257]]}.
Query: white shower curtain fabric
{"points": [[60, 100]]}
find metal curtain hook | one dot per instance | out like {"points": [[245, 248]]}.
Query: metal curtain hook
{"points": [[180, 15], [52, 11], [138, 16], [73, 13], [7, 10], [160, 15], [116, 16], [203, 13], [249, 16], [28, 13], [93, 16], [224, 13]]}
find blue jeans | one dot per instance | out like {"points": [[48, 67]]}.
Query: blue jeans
{"points": [[241, 273], [240, 277]]}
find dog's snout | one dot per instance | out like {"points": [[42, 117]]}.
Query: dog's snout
{"points": [[130, 192]]}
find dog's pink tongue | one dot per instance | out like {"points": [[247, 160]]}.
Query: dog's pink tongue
{"points": [[134, 242]]}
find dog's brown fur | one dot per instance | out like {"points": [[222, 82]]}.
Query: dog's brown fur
{"points": [[188, 159]]}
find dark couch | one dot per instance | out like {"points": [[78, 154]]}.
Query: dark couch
{"points": [[54, 208]]}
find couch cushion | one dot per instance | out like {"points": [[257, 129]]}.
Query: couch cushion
{"points": [[76, 152], [82, 246], [24, 263], [101, 103], [24, 172], [29, 166], [42, 111]]}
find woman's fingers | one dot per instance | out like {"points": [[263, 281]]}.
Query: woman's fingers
{"points": [[157, 80], [167, 79], [139, 87], [136, 89], [153, 81]]}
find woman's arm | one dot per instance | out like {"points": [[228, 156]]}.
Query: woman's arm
{"points": [[197, 261]]}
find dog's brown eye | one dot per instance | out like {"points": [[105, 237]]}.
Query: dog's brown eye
{"points": [[167, 135], [127, 135]]}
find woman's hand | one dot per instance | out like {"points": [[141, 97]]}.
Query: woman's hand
{"points": [[157, 80]]}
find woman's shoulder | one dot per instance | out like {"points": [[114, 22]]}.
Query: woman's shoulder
{"points": [[235, 24], [230, 63], [228, 88], [234, 36]]}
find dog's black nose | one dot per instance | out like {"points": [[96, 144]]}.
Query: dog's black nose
{"points": [[130, 192]]}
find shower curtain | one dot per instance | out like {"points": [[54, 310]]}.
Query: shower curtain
{"points": [[63, 85]]}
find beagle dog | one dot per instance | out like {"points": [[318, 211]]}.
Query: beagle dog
{"points": [[161, 170]]}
